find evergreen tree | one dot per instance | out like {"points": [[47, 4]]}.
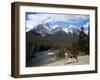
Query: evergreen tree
{"points": [[83, 41]]}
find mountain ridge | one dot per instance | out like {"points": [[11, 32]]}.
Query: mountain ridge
{"points": [[44, 29]]}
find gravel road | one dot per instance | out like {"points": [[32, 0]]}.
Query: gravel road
{"points": [[81, 60]]}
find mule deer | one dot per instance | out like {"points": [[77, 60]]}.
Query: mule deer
{"points": [[70, 54]]}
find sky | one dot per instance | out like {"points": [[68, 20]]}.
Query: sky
{"points": [[57, 20]]}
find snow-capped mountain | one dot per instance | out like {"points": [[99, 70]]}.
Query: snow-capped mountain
{"points": [[71, 29], [43, 29], [57, 29]]}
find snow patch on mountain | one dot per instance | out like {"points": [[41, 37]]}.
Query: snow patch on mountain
{"points": [[71, 29], [54, 26], [43, 29]]}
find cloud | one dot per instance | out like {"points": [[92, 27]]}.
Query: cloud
{"points": [[54, 26], [33, 20], [57, 17], [86, 25], [38, 18], [66, 18]]}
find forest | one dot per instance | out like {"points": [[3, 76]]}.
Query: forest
{"points": [[38, 44]]}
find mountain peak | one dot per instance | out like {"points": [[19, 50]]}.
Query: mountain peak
{"points": [[42, 29], [71, 29], [57, 29], [71, 26]]}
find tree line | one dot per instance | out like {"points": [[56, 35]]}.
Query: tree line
{"points": [[80, 45]]}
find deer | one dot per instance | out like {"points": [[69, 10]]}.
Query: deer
{"points": [[73, 54]]}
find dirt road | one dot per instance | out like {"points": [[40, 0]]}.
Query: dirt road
{"points": [[81, 60]]}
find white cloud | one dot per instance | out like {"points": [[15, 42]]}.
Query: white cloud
{"points": [[86, 25], [56, 17], [54, 26], [66, 18], [35, 19]]}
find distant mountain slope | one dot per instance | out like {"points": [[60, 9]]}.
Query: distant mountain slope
{"points": [[58, 35], [71, 29]]}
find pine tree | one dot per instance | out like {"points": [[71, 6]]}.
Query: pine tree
{"points": [[83, 41]]}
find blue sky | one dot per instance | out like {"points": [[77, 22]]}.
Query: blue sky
{"points": [[57, 20]]}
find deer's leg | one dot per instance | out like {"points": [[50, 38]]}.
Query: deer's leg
{"points": [[76, 58], [65, 60]]}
